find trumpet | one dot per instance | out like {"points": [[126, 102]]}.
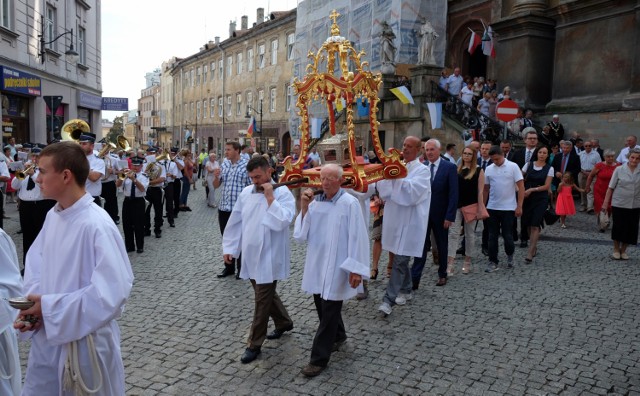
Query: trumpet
{"points": [[126, 173], [22, 174]]}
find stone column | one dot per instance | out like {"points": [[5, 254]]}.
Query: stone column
{"points": [[527, 6]]}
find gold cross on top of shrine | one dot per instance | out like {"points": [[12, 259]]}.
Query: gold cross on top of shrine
{"points": [[335, 29]]}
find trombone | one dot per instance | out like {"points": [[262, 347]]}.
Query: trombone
{"points": [[22, 174]]}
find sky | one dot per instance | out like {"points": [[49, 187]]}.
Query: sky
{"points": [[138, 35]]}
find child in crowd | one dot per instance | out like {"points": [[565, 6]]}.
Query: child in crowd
{"points": [[564, 204]]}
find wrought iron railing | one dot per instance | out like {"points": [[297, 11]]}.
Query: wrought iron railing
{"points": [[487, 128]]}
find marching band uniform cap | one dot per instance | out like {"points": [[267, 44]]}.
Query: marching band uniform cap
{"points": [[40, 145], [18, 146], [136, 161], [174, 149], [27, 146], [36, 150], [103, 140], [152, 149], [87, 137]]}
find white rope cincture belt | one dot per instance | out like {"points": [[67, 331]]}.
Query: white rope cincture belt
{"points": [[73, 376]]}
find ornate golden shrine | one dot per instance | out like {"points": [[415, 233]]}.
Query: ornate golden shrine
{"points": [[325, 86]]}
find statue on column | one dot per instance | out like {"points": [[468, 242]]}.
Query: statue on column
{"points": [[387, 49], [428, 37]]}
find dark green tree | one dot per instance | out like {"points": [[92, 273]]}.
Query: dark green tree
{"points": [[116, 130]]}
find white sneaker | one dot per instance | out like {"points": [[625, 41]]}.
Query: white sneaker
{"points": [[385, 308], [403, 298]]}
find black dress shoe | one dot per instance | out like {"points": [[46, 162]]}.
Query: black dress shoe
{"points": [[140, 250], [250, 355], [131, 250], [524, 244], [228, 270], [460, 251], [276, 334], [158, 235], [186, 209], [311, 370], [415, 285], [172, 225], [485, 251], [441, 282]]}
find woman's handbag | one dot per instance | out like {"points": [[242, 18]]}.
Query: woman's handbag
{"points": [[470, 213], [603, 220], [550, 216]]}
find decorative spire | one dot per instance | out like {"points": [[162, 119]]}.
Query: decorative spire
{"points": [[335, 29]]}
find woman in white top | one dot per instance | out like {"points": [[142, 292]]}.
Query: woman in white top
{"points": [[212, 165]]}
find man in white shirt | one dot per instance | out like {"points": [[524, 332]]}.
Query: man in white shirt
{"points": [[96, 166], [109, 192], [259, 228], [501, 179], [631, 142], [337, 259], [588, 160], [171, 171], [5, 176], [135, 186], [404, 227], [79, 289], [454, 82]]}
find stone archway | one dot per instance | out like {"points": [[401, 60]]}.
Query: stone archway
{"points": [[286, 144], [472, 65]]}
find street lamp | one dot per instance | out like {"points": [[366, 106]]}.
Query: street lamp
{"points": [[71, 55], [258, 112]]}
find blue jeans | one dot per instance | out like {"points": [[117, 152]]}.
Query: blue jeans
{"points": [[184, 194], [500, 221]]}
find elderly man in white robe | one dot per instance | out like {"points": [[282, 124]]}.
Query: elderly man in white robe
{"points": [[337, 259], [10, 286], [79, 277], [406, 214], [259, 229]]}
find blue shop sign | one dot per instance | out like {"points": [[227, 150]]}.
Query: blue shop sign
{"points": [[115, 104], [89, 101], [19, 82]]}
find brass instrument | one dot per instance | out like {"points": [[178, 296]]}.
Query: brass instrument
{"points": [[126, 173], [22, 174], [153, 171], [72, 129], [123, 144], [163, 157], [106, 149]]}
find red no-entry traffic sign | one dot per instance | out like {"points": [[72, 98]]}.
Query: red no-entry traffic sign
{"points": [[507, 110]]}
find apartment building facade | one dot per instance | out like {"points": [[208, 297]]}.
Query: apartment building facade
{"points": [[247, 75], [43, 83]]}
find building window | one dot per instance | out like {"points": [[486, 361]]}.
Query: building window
{"points": [[221, 69], [193, 80], [5, 14], [205, 107], [198, 111], [191, 113], [213, 107], [205, 70], [239, 62], [249, 100], [228, 105], [274, 51], [213, 69], [291, 40], [220, 107], [82, 49], [261, 56], [250, 59], [289, 90], [199, 74], [186, 111], [272, 99], [50, 27], [238, 104], [229, 65]]}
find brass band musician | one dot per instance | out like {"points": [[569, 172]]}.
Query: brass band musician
{"points": [[157, 176], [134, 184]]}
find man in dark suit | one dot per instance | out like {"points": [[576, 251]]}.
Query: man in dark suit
{"points": [[566, 161], [521, 157], [483, 161], [507, 149], [442, 212]]}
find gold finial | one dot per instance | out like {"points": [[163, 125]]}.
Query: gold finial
{"points": [[335, 30]]}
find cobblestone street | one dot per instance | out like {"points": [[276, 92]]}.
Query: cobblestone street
{"points": [[566, 324]]}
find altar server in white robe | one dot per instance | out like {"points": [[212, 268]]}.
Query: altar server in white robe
{"points": [[337, 259], [79, 276], [10, 286], [259, 229], [406, 214]]}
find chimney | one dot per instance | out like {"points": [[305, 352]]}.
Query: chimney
{"points": [[244, 22], [260, 15], [232, 28], [217, 40]]}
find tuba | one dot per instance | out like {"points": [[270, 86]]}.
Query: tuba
{"points": [[106, 149], [72, 129], [153, 170], [123, 144], [163, 157]]}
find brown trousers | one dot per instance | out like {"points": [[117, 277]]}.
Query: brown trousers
{"points": [[267, 304]]}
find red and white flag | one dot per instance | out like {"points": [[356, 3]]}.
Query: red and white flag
{"points": [[474, 42], [251, 128], [488, 47]]}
